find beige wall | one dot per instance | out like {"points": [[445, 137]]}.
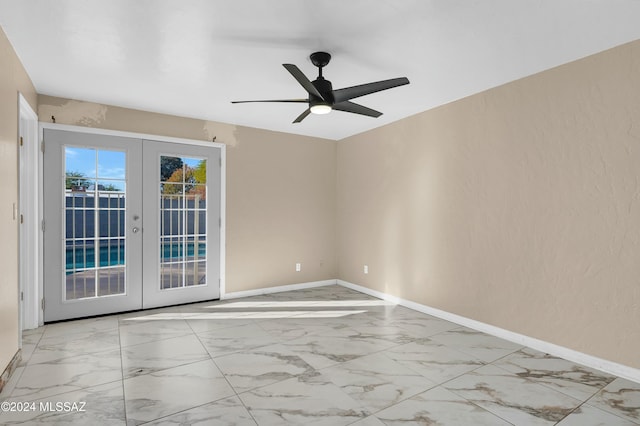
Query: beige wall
{"points": [[13, 79], [518, 207], [280, 191]]}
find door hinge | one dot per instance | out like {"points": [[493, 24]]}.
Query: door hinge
{"points": [[21, 141], [21, 219], [42, 146], [22, 295], [42, 225], [219, 222], [42, 304]]}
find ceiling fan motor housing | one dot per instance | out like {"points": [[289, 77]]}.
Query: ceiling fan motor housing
{"points": [[326, 90]]}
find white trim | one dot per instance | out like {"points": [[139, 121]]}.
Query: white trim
{"points": [[97, 131], [276, 289], [29, 253], [40, 291], [223, 218], [540, 345]]}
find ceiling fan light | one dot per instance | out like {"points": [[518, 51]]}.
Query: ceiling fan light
{"points": [[321, 109]]}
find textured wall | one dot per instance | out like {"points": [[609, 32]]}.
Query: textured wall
{"points": [[280, 191], [13, 79], [518, 207]]}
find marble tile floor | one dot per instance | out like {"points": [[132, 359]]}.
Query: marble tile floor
{"points": [[321, 356]]}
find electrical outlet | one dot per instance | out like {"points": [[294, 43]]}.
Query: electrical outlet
{"points": [[298, 267], [366, 269]]}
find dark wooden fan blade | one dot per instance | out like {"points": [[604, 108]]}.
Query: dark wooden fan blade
{"points": [[347, 106], [302, 116], [297, 101], [303, 80], [348, 93]]}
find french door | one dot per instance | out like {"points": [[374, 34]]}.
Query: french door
{"points": [[129, 224], [181, 253]]}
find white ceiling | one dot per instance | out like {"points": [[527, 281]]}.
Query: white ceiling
{"points": [[193, 57]]}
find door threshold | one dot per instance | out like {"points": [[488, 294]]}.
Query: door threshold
{"points": [[128, 312]]}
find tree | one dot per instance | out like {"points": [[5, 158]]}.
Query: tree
{"points": [[181, 175], [168, 165], [200, 179], [200, 172], [108, 187], [75, 179], [189, 177]]}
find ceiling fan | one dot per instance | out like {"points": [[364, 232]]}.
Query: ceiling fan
{"points": [[322, 98]]}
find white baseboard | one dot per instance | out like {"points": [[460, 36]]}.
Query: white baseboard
{"points": [[277, 289], [619, 370]]}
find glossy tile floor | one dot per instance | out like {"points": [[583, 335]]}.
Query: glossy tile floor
{"points": [[326, 355]]}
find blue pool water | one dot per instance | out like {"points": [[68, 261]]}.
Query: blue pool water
{"points": [[114, 255]]}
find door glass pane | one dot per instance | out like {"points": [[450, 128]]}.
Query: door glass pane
{"points": [[183, 194], [94, 242]]}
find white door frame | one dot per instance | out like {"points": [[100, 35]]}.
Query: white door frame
{"points": [[28, 202], [40, 290]]}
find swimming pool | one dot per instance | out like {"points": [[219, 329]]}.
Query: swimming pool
{"points": [[84, 256]]}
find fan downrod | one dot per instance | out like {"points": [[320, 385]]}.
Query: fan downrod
{"points": [[320, 59]]}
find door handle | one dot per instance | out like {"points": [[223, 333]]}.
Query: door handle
{"points": [[135, 229]]}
